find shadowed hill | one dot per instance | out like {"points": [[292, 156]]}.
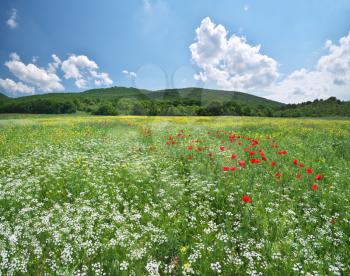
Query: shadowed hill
{"points": [[3, 96]]}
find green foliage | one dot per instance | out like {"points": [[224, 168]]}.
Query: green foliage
{"points": [[175, 102], [106, 109]]}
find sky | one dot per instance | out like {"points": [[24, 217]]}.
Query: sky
{"points": [[290, 51]]}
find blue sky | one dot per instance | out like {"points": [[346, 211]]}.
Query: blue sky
{"points": [[147, 44]]}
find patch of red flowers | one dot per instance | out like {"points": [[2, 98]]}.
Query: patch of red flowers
{"points": [[246, 199], [255, 161], [309, 171], [314, 187]]}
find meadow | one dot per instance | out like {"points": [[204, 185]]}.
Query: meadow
{"points": [[87, 195]]}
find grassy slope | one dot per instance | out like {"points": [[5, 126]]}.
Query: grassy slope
{"points": [[202, 95], [3, 97]]}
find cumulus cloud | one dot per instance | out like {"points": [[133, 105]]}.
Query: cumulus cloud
{"points": [[337, 62], [230, 61], [16, 87], [330, 77], [83, 71], [53, 66], [41, 78], [12, 21]]}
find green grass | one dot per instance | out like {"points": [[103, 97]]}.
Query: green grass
{"points": [[85, 194]]}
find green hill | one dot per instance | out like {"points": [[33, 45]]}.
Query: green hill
{"points": [[206, 96], [3, 96], [186, 101], [125, 99], [317, 108]]}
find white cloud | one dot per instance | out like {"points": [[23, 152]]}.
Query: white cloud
{"points": [[337, 62], [44, 80], [83, 70], [129, 74], [14, 56], [230, 61], [53, 66], [246, 8], [330, 77], [12, 21], [16, 87]]}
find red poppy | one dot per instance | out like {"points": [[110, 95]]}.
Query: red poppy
{"points": [[222, 148], [278, 175], [309, 171], [273, 163], [298, 176], [254, 161], [233, 168], [168, 142], [282, 152], [241, 163], [301, 165], [190, 157], [210, 154], [246, 199], [314, 187], [255, 142], [226, 168], [261, 153], [318, 177], [233, 156], [264, 158], [251, 152], [295, 162], [173, 142], [190, 147]]}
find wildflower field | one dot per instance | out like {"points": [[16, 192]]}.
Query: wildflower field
{"points": [[84, 195]]}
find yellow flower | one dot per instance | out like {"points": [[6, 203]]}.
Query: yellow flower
{"points": [[186, 266], [183, 249]]}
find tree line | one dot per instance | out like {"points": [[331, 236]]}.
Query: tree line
{"points": [[132, 106]]}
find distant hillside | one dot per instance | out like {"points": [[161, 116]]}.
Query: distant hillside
{"points": [[3, 96], [186, 101], [206, 96], [317, 108]]}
